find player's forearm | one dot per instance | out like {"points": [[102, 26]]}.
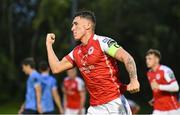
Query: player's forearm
{"points": [[173, 87], [131, 67], [64, 100], [58, 102], [83, 98], [57, 99], [52, 58], [22, 106], [38, 94], [129, 62]]}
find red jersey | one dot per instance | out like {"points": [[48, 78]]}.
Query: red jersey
{"points": [[163, 100], [98, 69], [73, 88]]}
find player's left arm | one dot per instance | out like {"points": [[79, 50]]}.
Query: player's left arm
{"points": [[114, 50], [38, 97], [83, 98], [82, 92], [172, 85], [37, 87], [123, 56]]}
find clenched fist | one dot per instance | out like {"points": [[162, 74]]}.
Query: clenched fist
{"points": [[133, 86], [50, 38]]}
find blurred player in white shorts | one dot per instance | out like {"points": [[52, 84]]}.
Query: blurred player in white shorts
{"points": [[164, 85]]}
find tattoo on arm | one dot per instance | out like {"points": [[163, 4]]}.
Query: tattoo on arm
{"points": [[131, 67]]}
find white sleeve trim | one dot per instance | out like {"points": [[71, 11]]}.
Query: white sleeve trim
{"points": [[54, 88], [168, 73], [36, 85], [173, 87], [80, 84], [71, 55]]}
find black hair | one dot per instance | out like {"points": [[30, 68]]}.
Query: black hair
{"points": [[155, 52], [43, 66], [88, 15], [29, 61]]}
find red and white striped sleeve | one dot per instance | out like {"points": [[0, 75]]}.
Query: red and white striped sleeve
{"points": [[70, 57]]}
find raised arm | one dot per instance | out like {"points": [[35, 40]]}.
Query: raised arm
{"points": [[56, 65], [130, 65]]}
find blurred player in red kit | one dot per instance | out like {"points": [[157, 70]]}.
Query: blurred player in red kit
{"points": [[96, 58], [74, 93], [163, 84]]}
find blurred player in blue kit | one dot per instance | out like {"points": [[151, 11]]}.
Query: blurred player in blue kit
{"points": [[49, 90], [32, 103]]}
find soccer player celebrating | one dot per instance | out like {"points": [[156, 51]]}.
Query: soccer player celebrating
{"points": [[74, 93], [163, 84], [96, 59], [32, 103], [49, 90]]}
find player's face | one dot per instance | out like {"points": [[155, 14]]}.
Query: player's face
{"points": [[25, 69], [151, 60], [72, 73], [79, 27]]}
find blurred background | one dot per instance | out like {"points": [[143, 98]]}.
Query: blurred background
{"points": [[137, 25]]}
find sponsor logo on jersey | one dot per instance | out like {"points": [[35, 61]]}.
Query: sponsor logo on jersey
{"points": [[110, 42], [105, 40]]}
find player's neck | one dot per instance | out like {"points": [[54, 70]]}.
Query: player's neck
{"points": [[155, 67], [86, 37], [45, 73], [30, 71], [72, 77]]}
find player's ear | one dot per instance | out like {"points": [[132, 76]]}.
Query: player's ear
{"points": [[88, 25]]}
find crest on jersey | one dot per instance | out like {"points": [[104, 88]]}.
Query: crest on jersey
{"points": [[158, 76], [90, 50]]}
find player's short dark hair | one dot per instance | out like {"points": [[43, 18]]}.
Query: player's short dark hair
{"points": [[29, 61], [43, 66], [155, 52], [88, 15]]}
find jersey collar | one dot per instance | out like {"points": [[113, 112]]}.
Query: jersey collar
{"points": [[89, 40], [157, 68]]}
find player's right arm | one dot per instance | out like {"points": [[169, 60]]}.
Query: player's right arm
{"points": [[64, 98], [21, 109], [56, 65], [172, 85]]}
